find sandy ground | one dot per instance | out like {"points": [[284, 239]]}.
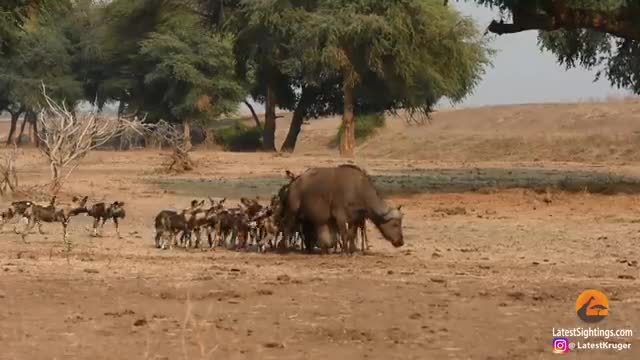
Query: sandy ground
{"points": [[489, 282]]}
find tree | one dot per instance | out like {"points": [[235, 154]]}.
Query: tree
{"points": [[40, 51], [67, 138], [604, 35], [285, 52], [263, 31], [190, 76], [8, 175], [159, 59], [410, 53]]}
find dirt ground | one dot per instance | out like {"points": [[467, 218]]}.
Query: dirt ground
{"points": [[481, 276]]}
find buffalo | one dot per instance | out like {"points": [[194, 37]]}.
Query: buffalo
{"points": [[330, 200]]}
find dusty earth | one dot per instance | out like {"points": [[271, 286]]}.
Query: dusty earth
{"points": [[483, 275]]}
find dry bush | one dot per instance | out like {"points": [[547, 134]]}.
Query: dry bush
{"points": [[66, 138], [8, 176], [135, 131], [179, 159]]}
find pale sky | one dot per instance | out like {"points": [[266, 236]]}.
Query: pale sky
{"points": [[521, 73]]}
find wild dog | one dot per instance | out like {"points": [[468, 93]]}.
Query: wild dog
{"points": [[37, 214], [101, 212], [170, 223]]}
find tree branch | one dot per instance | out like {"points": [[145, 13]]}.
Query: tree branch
{"points": [[618, 23], [253, 113]]}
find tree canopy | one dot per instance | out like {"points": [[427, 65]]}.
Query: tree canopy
{"points": [[392, 55], [410, 53], [38, 51], [602, 35], [188, 61]]}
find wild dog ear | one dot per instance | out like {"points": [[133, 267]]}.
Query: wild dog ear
{"points": [[121, 203], [75, 199]]}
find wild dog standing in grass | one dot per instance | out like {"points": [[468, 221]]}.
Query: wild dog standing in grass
{"points": [[364, 240], [37, 214], [101, 212], [206, 220], [266, 229], [202, 219], [232, 227], [170, 223], [15, 212], [5, 217], [254, 212]]}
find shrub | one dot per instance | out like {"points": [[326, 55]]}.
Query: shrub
{"points": [[239, 137], [366, 125]]}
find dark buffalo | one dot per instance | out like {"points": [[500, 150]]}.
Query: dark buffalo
{"points": [[337, 199]]}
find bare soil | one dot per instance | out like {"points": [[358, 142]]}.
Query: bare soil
{"points": [[483, 275]]}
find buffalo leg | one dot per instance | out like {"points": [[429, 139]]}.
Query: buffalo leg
{"points": [[309, 236]]}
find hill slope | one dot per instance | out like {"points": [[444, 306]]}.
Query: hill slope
{"points": [[581, 132], [590, 132]]}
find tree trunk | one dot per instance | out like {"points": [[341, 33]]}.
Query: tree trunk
{"points": [[348, 138], [24, 122], [186, 137], [14, 122], [33, 119], [253, 113], [306, 97], [269, 130], [31, 133], [55, 179]]}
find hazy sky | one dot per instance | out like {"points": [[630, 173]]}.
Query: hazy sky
{"points": [[521, 73]]}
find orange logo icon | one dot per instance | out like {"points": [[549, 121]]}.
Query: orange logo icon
{"points": [[592, 306]]}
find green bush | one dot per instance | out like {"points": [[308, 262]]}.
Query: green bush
{"points": [[239, 137], [366, 125]]}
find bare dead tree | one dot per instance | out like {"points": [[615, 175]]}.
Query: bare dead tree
{"points": [[66, 138], [8, 175], [179, 159], [136, 129], [160, 132]]}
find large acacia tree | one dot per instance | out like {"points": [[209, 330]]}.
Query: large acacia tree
{"points": [[262, 46], [404, 54], [159, 57], [600, 34]]}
